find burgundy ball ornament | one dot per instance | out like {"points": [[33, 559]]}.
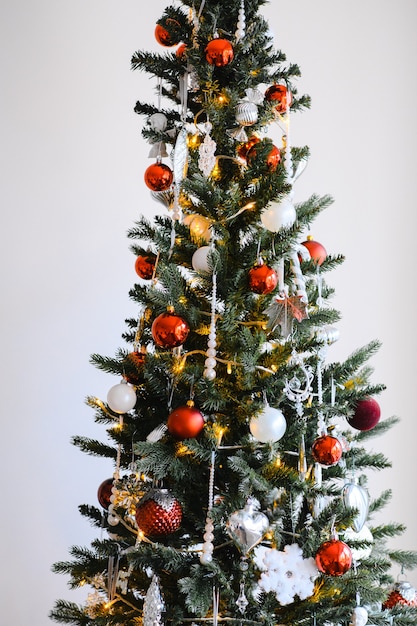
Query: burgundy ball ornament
{"points": [[158, 177], [104, 492], [121, 398], [219, 52], [317, 251], [273, 158], [327, 450], [366, 415], [262, 279], [145, 265], [185, 422], [280, 97], [169, 330], [334, 557], [158, 513]]}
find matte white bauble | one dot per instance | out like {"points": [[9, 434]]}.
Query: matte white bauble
{"points": [[121, 398], [279, 215], [363, 552], [199, 259], [268, 425]]}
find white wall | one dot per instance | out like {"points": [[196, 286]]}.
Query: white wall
{"points": [[72, 163]]}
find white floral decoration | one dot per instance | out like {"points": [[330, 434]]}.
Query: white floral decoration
{"points": [[285, 573]]}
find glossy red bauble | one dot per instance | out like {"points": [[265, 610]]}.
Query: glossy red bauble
{"points": [[185, 421], [366, 415], [279, 96], [181, 52], [272, 159], [262, 279], [334, 558], [219, 52], [104, 492], [158, 177], [158, 513], [165, 38], [327, 450], [145, 266], [169, 330], [317, 250], [244, 148]]}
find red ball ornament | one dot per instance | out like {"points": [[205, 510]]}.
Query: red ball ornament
{"points": [[133, 363], [334, 558], [402, 594], [219, 52], [158, 513], [366, 415], [317, 250], [181, 52], [165, 38], [185, 421], [262, 279], [279, 96], [327, 450], [158, 177], [169, 330], [104, 492], [272, 160], [244, 148], [145, 266]]}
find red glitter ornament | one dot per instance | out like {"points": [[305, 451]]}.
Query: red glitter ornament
{"points": [[145, 265], [402, 594], [327, 450], [279, 96], [366, 415], [273, 157], [169, 330], [219, 52], [164, 37], [158, 513], [104, 492], [185, 421], [158, 177], [133, 363], [334, 557], [317, 250], [262, 279]]}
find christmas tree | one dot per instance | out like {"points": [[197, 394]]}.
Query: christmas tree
{"points": [[239, 451]]}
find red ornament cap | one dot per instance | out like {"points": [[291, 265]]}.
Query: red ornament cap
{"points": [[158, 177], [145, 265], [279, 96], [334, 557], [366, 415], [327, 450], [219, 52], [104, 492], [169, 330], [158, 513], [262, 279], [185, 422], [317, 251]]}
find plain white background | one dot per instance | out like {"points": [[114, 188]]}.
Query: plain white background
{"points": [[72, 163]]}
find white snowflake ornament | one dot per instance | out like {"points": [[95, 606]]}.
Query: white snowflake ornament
{"points": [[286, 573]]}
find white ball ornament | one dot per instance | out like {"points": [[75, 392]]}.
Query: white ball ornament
{"points": [[199, 259], [158, 121], [121, 398], [279, 215], [268, 425], [363, 552]]}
